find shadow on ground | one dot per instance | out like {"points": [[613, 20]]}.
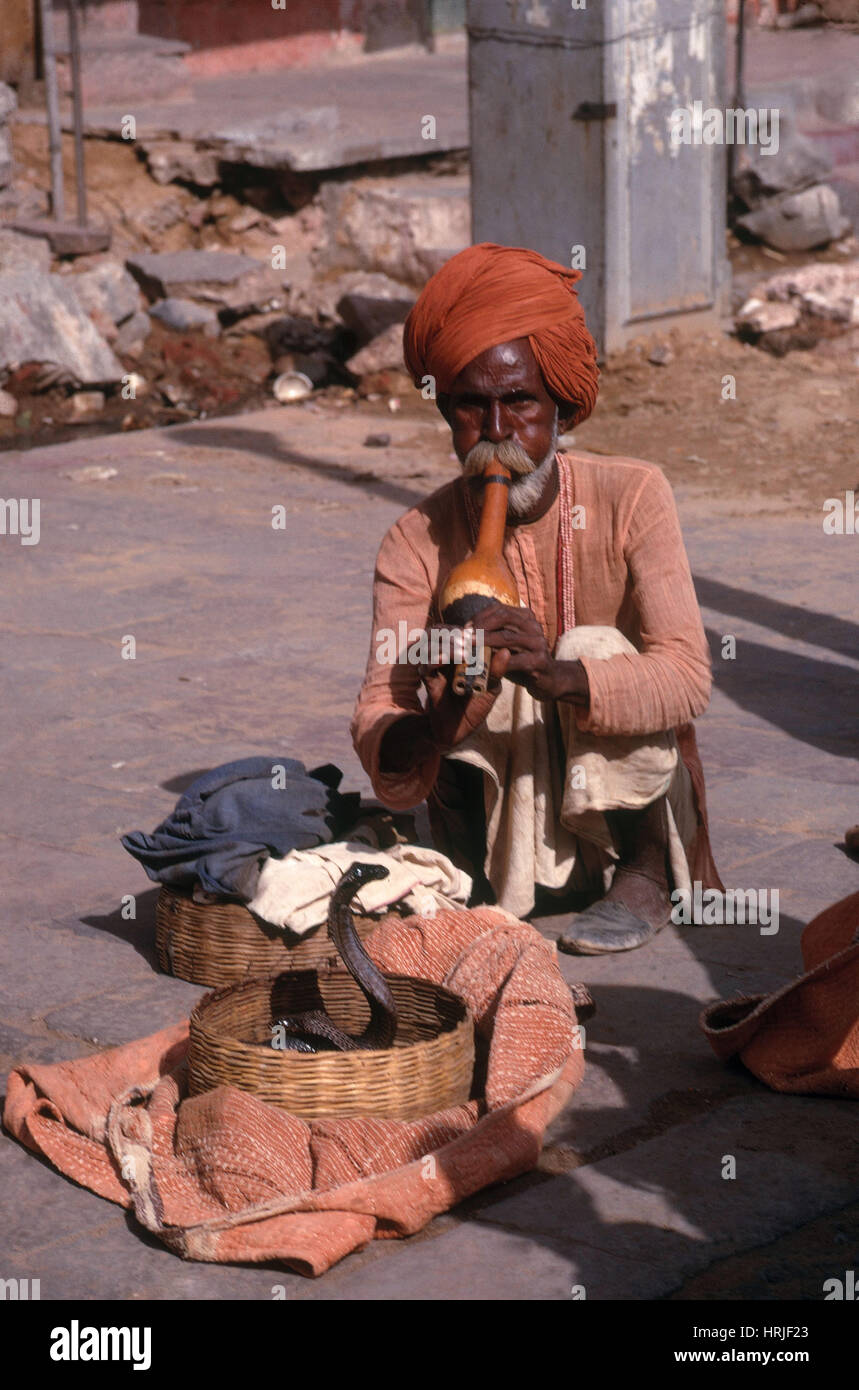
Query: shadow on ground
{"points": [[271, 446]]}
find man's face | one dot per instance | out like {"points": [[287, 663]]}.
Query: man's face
{"points": [[500, 396]]}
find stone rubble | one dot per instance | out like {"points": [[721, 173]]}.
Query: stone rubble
{"points": [[385, 350], [21, 252], [371, 303], [42, 320], [185, 314], [406, 228], [107, 288], [188, 274], [817, 301], [798, 221], [785, 200], [8, 103], [132, 334]]}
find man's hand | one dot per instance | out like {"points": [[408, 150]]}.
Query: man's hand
{"points": [[521, 653], [452, 717], [447, 720]]}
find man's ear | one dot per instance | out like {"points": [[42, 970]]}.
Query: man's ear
{"points": [[443, 403], [567, 413]]}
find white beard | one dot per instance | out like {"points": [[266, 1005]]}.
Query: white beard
{"points": [[526, 492]]}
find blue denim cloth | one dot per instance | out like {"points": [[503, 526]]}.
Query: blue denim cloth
{"points": [[233, 814]]}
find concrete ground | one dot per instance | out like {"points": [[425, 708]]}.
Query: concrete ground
{"points": [[253, 640]]}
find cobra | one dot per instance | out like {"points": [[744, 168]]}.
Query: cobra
{"points": [[314, 1031]]}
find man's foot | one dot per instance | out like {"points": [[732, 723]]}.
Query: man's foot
{"points": [[607, 926], [638, 903]]}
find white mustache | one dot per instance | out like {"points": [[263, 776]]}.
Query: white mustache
{"points": [[507, 452]]}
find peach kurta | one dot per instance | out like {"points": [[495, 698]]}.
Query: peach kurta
{"points": [[630, 572]]}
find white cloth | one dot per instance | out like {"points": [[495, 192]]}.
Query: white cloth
{"points": [[542, 830], [295, 891]]}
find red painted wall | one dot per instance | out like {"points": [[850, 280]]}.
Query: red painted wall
{"points": [[215, 23], [227, 35]]}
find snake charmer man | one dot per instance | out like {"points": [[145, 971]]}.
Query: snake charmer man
{"points": [[577, 772]]}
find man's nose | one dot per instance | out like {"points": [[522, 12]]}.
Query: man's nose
{"points": [[496, 426]]}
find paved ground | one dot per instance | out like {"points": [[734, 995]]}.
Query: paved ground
{"points": [[365, 107], [253, 640], [327, 117]]}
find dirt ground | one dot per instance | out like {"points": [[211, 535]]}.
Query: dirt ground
{"points": [[777, 432]]}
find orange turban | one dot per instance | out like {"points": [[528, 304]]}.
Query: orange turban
{"points": [[492, 294]]}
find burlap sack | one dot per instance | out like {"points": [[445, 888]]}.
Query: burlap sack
{"points": [[805, 1037], [225, 1177]]}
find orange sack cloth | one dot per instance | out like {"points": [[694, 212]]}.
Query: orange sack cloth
{"points": [[492, 294], [225, 1177], [805, 1037]]}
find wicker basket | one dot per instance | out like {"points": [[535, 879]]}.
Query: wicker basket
{"points": [[429, 1067], [221, 943]]}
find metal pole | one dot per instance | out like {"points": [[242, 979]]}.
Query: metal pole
{"points": [[740, 76], [55, 135], [739, 83], [75, 46]]}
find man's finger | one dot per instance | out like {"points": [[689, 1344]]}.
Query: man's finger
{"points": [[521, 662], [512, 637], [499, 663], [492, 617]]}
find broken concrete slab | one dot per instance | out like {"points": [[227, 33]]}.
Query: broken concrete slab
{"points": [[132, 334], [370, 303], [372, 112], [107, 288], [21, 252], [386, 350], [316, 129], [239, 285], [798, 221], [763, 316], [41, 320], [796, 164], [161, 274], [184, 314], [406, 228]]}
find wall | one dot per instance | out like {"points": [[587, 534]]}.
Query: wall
{"points": [[229, 36]]}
